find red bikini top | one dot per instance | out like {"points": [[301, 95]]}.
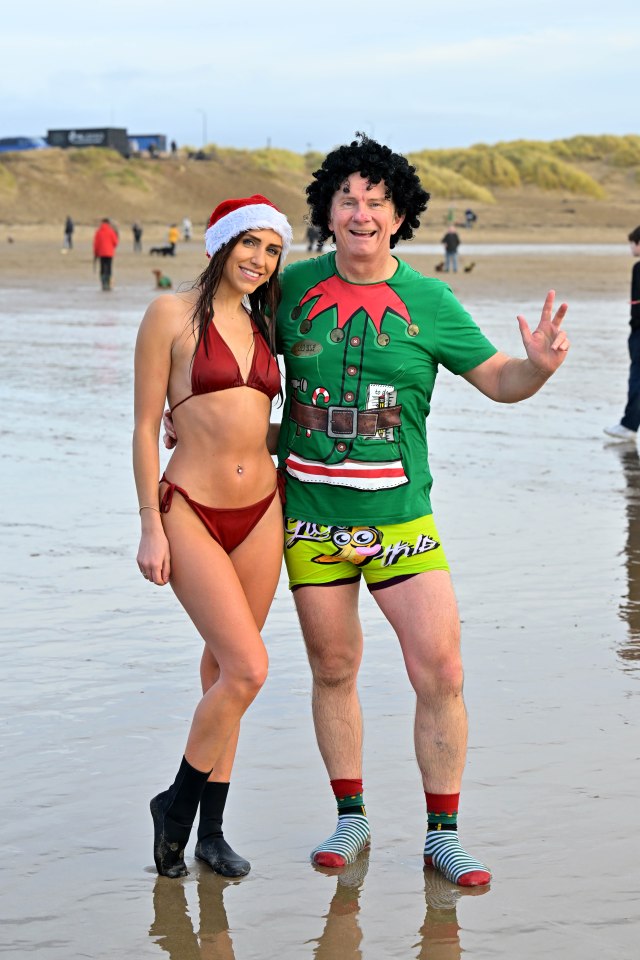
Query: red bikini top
{"points": [[219, 369]]}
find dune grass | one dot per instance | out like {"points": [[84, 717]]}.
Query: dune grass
{"points": [[616, 151], [126, 177], [441, 182], [94, 158], [512, 164], [8, 182]]}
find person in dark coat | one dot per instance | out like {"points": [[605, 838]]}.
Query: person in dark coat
{"points": [[451, 242], [69, 227], [627, 429]]}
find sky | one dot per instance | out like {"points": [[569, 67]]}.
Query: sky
{"points": [[414, 74]]}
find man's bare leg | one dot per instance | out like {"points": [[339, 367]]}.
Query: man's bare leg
{"points": [[423, 612], [333, 636]]}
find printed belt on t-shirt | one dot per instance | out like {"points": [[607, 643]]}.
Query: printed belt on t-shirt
{"points": [[344, 423]]}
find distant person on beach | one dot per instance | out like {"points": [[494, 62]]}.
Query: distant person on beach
{"points": [[451, 241], [105, 241], [470, 217], [186, 229], [313, 235], [627, 429], [69, 227], [213, 526], [173, 237], [136, 230], [362, 335], [315, 241]]}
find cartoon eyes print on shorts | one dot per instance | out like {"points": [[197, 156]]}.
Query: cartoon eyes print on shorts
{"points": [[341, 538], [357, 538], [364, 537]]}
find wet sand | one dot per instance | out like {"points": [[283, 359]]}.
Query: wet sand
{"points": [[541, 521]]}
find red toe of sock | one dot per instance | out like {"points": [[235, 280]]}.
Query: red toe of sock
{"points": [[326, 859], [475, 878]]}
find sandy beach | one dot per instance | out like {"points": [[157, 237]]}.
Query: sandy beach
{"points": [[540, 518]]}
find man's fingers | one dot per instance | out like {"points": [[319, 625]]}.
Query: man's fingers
{"points": [[524, 328], [560, 314], [547, 307]]}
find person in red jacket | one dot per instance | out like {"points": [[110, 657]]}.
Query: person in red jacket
{"points": [[105, 241]]}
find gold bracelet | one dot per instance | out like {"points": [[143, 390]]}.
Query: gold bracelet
{"points": [[148, 507]]}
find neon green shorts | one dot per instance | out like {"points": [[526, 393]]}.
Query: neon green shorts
{"points": [[316, 554]]}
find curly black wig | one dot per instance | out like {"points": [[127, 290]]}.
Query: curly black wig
{"points": [[375, 162]]}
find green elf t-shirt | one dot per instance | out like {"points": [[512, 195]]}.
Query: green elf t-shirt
{"points": [[361, 362]]}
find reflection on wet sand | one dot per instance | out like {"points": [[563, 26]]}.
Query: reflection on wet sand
{"points": [[172, 928], [630, 606], [341, 936], [440, 932]]}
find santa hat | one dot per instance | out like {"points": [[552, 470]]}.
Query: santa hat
{"points": [[233, 217]]}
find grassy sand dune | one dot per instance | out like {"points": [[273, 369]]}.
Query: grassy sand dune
{"points": [[583, 189]]}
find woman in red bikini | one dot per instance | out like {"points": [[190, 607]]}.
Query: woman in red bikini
{"points": [[213, 527]]}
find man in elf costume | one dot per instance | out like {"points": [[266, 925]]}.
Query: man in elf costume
{"points": [[362, 335]]}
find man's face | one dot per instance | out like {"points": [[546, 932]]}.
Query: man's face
{"points": [[362, 218], [635, 249]]}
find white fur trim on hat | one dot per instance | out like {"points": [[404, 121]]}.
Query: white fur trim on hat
{"points": [[259, 216]]}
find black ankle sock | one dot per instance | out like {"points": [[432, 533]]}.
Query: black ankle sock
{"points": [[212, 801], [184, 794]]}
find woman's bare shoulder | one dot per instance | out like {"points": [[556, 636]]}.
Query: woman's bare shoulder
{"points": [[171, 304], [169, 312]]}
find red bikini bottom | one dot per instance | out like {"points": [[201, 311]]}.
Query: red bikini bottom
{"points": [[228, 526]]}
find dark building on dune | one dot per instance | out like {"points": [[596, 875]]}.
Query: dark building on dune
{"points": [[115, 138]]}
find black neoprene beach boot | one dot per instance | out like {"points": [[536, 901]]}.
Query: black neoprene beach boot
{"points": [[173, 813], [212, 848]]}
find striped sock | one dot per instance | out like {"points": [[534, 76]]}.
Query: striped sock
{"points": [[442, 848], [351, 835]]}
